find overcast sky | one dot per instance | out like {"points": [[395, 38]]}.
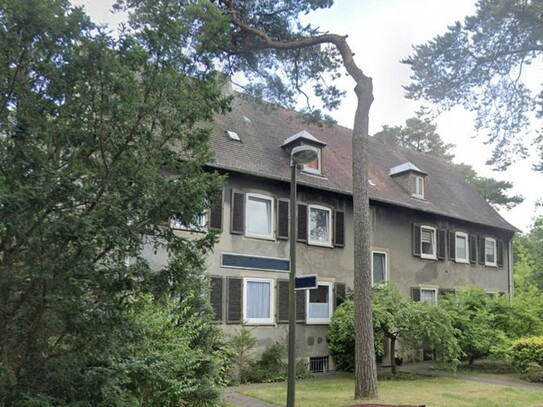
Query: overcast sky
{"points": [[381, 33]]}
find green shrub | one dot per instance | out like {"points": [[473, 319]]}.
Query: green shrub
{"points": [[340, 336], [525, 351]]}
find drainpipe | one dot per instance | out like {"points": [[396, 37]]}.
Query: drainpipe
{"points": [[510, 270]]}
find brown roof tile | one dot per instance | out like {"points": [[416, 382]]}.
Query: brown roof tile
{"points": [[260, 153]]}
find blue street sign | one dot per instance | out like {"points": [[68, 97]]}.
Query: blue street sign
{"points": [[305, 282]]}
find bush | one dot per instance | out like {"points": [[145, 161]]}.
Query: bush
{"points": [[525, 351], [340, 336]]}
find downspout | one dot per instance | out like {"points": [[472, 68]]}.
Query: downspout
{"points": [[510, 270]]}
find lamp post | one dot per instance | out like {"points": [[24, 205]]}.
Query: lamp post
{"points": [[299, 155]]}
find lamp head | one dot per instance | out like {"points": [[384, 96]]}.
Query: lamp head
{"points": [[303, 155]]}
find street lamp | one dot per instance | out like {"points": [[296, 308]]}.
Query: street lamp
{"points": [[299, 155]]}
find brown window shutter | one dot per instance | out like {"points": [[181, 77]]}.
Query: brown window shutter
{"points": [[341, 293], [473, 249], [215, 298], [444, 291], [302, 223], [499, 250], [415, 293], [282, 219], [452, 245], [300, 306], [233, 305], [481, 250], [237, 221], [416, 239], [339, 229], [282, 301], [441, 244], [215, 213]]}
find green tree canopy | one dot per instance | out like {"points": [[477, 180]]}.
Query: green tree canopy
{"points": [[480, 65], [88, 180]]}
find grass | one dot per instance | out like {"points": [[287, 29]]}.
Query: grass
{"points": [[431, 391]]}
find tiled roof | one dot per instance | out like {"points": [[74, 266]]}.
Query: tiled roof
{"points": [[260, 153]]}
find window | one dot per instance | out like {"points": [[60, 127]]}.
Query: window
{"points": [[199, 222], [314, 167], [428, 295], [428, 242], [462, 247], [419, 187], [259, 216], [378, 267], [319, 304], [319, 225], [258, 300], [490, 252]]}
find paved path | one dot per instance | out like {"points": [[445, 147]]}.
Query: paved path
{"points": [[233, 396]]}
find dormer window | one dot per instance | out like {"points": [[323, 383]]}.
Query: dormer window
{"points": [[305, 138], [411, 178], [419, 187]]}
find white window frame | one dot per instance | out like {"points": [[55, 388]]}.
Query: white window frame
{"points": [[466, 238], [419, 192], [320, 321], [428, 289], [495, 262], [199, 225], [270, 199], [317, 170], [259, 321], [318, 243], [432, 256], [386, 266]]}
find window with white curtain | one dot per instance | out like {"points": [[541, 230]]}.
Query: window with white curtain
{"points": [[258, 300], [319, 304], [462, 247], [490, 252], [379, 267], [428, 295], [259, 216], [428, 242], [319, 225]]}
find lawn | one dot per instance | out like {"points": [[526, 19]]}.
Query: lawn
{"points": [[431, 391]]}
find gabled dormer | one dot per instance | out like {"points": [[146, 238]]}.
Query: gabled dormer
{"points": [[305, 138], [411, 178]]}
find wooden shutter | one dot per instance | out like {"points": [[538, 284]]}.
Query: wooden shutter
{"points": [[339, 229], [452, 245], [237, 221], [416, 239], [282, 219], [282, 301], [302, 223], [444, 291], [216, 298], [481, 250], [415, 293], [300, 306], [215, 213], [473, 249], [499, 250], [234, 299], [341, 293], [441, 244]]}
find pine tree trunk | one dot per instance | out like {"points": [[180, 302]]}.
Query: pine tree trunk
{"points": [[366, 369]]}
